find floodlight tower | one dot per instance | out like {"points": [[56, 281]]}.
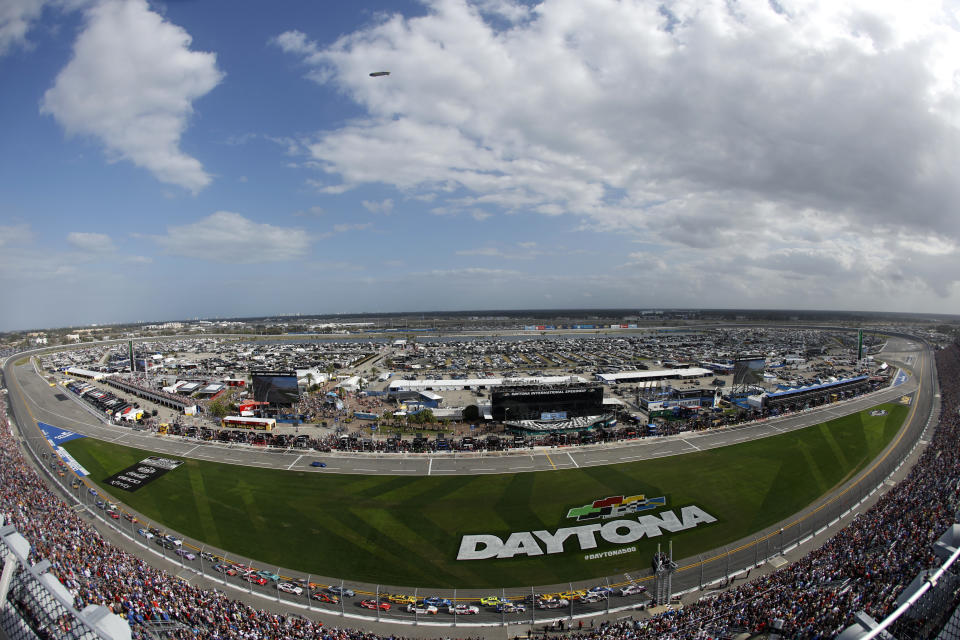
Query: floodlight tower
{"points": [[663, 568]]}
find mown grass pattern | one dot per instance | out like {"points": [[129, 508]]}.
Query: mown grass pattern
{"points": [[407, 530]]}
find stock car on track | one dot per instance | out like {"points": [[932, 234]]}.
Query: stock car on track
{"points": [[434, 601], [553, 603], [146, 534], [225, 569], [510, 607], [341, 591], [269, 575], [492, 601], [186, 555], [463, 609], [421, 609], [374, 605], [325, 597], [289, 587], [400, 598], [632, 590], [255, 579]]}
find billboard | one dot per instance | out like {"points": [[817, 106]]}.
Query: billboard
{"points": [[748, 370], [279, 388]]}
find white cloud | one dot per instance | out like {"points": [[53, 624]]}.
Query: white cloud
{"points": [[96, 243], [482, 251], [11, 235], [16, 18], [131, 83], [808, 135], [343, 228], [231, 238], [385, 207]]}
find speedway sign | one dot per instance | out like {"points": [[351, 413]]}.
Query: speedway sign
{"points": [[537, 543]]}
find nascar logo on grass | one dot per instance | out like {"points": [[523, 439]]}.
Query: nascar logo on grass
{"points": [[536, 543], [615, 506]]}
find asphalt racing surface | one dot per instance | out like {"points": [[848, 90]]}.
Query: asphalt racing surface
{"points": [[33, 399]]}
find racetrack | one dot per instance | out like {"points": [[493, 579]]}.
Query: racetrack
{"points": [[38, 397]]}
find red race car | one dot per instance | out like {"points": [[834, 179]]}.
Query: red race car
{"points": [[373, 604]]}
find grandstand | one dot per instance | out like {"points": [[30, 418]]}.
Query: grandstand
{"points": [[888, 562]]}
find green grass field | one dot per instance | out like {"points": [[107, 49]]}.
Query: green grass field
{"points": [[406, 531]]}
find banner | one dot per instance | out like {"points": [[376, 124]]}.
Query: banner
{"points": [[142, 473]]}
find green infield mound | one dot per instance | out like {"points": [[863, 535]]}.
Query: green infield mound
{"points": [[403, 530]]}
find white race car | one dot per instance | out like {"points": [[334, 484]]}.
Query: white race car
{"points": [[289, 587], [463, 609], [632, 590], [421, 609]]}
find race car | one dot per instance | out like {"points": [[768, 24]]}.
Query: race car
{"points": [[400, 598], [632, 590], [374, 605], [572, 595], [113, 514], [553, 603], [255, 579], [510, 607], [601, 590], [434, 601], [269, 575], [492, 601], [289, 587], [129, 517], [421, 609], [325, 597], [225, 569], [341, 591], [463, 609], [146, 534], [186, 555]]}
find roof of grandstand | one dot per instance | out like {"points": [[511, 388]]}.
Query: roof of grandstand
{"points": [[568, 424], [87, 373], [689, 372], [815, 387], [418, 385]]}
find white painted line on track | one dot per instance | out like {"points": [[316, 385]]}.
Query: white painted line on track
{"points": [[484, 469], [191, 450], [367, 470], [572, 460], [430, 468], [692, 445], [233, 459], [294, 462]]}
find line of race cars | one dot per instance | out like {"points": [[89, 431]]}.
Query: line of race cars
{"points": [[333, 594]]}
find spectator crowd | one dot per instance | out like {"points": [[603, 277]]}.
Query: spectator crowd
{"points": [[863, 567]]}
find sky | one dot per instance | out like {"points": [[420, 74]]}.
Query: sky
{"points": [[230, 158]]}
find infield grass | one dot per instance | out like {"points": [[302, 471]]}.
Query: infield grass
{"points": [[401, 530]]}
